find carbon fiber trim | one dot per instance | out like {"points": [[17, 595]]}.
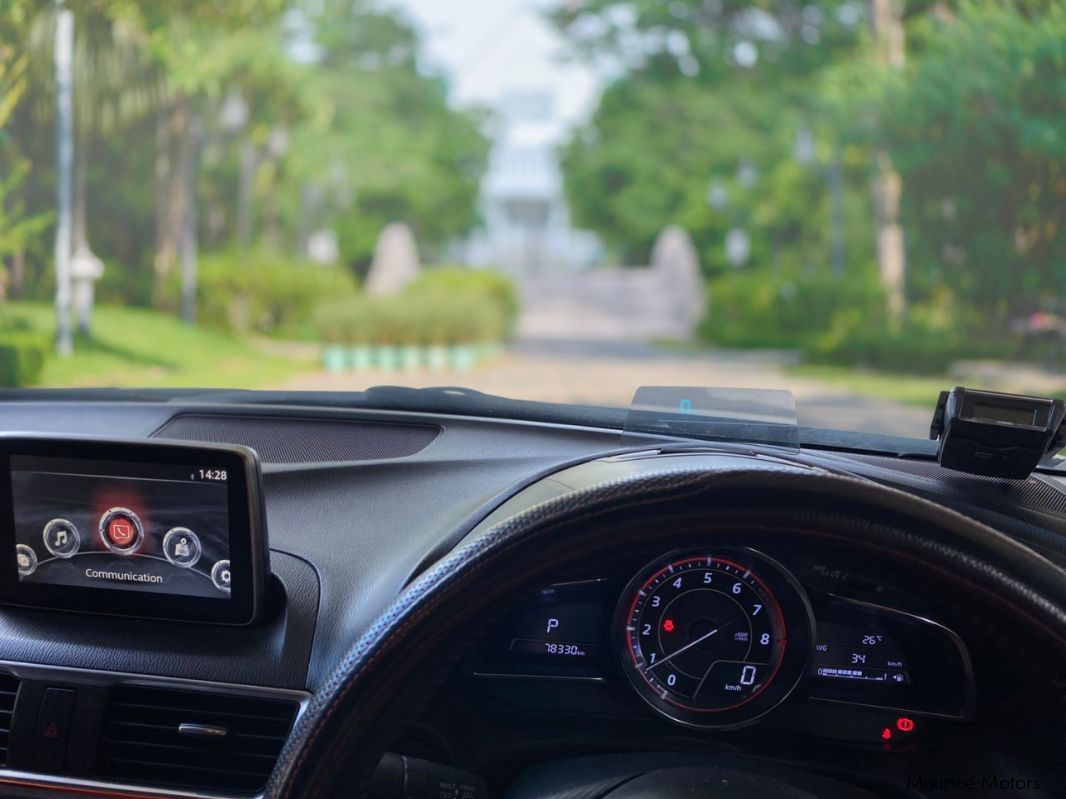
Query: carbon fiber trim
{"points": [[996, 492]]}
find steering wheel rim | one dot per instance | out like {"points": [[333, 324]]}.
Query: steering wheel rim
{"points": [[384, 678]]}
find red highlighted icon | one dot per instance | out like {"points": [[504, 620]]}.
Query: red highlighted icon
{"points": [[121, 532]]}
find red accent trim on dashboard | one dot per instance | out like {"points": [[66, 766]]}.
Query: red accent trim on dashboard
{"points": [[83, 790]]}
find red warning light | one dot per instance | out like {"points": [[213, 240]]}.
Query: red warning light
{"points": [[904, 724], [668, 625], [886, 734]]}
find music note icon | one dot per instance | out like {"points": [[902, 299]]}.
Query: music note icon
{"points": [[61, 538]]}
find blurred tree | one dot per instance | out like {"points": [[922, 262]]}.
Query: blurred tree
{"points": [[714, 124], [18, 227], [253, 120], [978, 131], [209, 52], [380, 143], [955, 108], [890, 50]]}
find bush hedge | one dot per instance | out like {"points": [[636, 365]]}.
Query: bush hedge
{"points": [[453, 281], [262, 292], [841, 322], [425, 318], [757, 309], [23, 354], [444, 306]]}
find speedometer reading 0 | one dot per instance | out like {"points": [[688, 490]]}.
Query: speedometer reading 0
{"points": [[710, 640]]}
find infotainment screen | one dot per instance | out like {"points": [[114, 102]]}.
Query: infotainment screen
{"points": [[133, 528]]}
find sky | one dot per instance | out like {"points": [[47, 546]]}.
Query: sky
{"points": [[487, 48]]}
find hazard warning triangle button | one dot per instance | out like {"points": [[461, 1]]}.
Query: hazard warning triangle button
{"points": [[53, 728]]}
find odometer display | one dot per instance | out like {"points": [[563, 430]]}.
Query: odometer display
{"points": [[707, 636]]}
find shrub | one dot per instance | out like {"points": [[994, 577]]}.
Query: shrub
{"points": [[22, 357], [760, 309], [459, 281], [263, 292], [843, 322], [916, 348], [422, 317]]}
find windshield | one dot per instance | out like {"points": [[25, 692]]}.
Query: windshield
{"points": [[859, 201]]}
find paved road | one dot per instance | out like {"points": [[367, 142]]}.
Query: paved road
{"points": [[586, 339], [607, 373]]}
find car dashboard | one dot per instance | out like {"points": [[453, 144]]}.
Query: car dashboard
{"points": [[801, 652]]}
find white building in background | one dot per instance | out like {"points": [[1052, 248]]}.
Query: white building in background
{"points": [[526, 223], [504, 56]]}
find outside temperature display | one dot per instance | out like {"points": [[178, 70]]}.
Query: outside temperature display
{"points": [[854, 652]]}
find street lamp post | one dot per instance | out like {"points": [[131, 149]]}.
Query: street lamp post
{"points": [[64, 63]]}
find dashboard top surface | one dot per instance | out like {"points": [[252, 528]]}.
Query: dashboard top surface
{"points": [[347, 535], [358, 503]]}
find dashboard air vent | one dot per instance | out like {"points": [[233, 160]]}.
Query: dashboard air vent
{"points": [[9, 688], [186, 739]]}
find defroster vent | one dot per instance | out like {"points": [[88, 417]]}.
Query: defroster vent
{"points": [[193, 740], [284, 439]]}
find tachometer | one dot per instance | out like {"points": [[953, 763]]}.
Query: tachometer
{"points": [[714, 639]]}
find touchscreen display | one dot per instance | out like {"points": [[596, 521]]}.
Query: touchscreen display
{"points": [[137, 527]]}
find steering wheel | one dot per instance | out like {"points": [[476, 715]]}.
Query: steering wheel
{"points": [[393, 670]]}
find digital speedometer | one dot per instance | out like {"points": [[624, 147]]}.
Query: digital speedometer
{"points": [[713, 639]]}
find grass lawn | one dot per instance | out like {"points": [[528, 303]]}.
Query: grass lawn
{"points": [[135, 347], [910, 389]]}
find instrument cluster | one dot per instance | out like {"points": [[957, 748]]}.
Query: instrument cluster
{"points": [[718, 639]]}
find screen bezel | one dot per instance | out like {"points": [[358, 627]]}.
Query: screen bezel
{"points": [[247, 532]]}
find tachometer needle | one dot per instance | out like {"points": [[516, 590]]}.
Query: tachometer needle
{"points": [[687, 647]]}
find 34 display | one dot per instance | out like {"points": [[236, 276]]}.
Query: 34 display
{"points": [[132, 528]]}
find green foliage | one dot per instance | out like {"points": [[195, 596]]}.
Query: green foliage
{"points": [[698, 39], [978, 132], [427, 318], [263, 292], [757, 309], [23, 353], [380, 143], [351, 141], [18, 229], [911, 350], [661, 139], [459, 281], [930, 338], [450, 305], [134, 347], [842, 322], [974, 124]]}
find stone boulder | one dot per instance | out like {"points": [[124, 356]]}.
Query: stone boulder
{"points": [[395, 261], [674, 261]]}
